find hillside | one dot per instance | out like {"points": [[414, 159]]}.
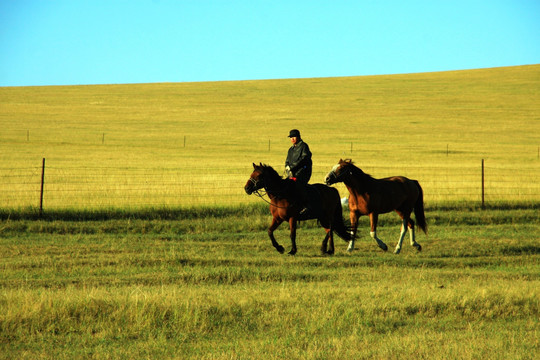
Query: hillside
{"points": [[385, 123]]}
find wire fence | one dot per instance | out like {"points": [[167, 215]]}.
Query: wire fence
{"points": [[128, 187]]}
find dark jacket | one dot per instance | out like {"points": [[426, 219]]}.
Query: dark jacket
{"points": [[299, 160]]}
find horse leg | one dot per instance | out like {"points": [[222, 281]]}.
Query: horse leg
{"points": [[401, 235], [354, 227], [413, 241], [325, 243], [275, 223], [373, 218], [331, 249], [292, 224]]}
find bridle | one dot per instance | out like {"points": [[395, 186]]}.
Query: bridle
{"points": [[261, 191], [335, 177]]}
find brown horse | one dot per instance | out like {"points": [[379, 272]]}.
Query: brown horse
{"points": [[325, 206], [369, 196]]}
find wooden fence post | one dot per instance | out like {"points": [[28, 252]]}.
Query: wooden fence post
{"points": [[483, 189], [41, 192]]}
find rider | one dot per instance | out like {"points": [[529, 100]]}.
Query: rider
{"points": [[298, 165]]}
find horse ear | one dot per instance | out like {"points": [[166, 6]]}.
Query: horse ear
{"points": [[254, 166]]}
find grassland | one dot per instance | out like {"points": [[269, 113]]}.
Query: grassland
{"points": [[188, 288], [137, 257], [182, 144]]}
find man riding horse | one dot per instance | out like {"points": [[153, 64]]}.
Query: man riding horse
{"points": [[298, 166]]}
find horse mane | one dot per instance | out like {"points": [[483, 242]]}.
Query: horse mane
{"points": [[356, 171], [285, 186], [268, 170]]}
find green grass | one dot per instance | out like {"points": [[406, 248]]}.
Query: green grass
{"points": [[141, 287]]}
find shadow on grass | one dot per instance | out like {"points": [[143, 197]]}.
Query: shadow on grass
{"points": [[202, 212], [133, 214]]}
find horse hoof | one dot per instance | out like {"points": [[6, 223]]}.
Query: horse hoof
{"points": [[280, 249], [292, 252], [418, 247], [329, 253], [397, 251], [384, 247]]}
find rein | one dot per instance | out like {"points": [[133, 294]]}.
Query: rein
{"points": [[264, 191], [258, 193]]}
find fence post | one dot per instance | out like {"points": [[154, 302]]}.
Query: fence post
{"points": [[41, 192], [483, 190]]}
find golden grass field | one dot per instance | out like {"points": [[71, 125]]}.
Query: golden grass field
{"points": [[189, 144], [205, 283]]}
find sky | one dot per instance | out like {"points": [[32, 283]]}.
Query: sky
{"points": [[78, 42]]}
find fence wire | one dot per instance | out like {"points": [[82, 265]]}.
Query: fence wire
{"points": [[102, 187]]}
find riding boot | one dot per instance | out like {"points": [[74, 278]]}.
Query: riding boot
{"points": [[302, 197]]}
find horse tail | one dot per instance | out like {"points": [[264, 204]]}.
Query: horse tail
{"points": [[419, 210], [342, 229]]}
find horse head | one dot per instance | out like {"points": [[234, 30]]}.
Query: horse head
{"points": [[263, 176], [256, 179], [338, 172]]}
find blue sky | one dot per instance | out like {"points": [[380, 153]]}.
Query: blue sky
{"points": [[72, 42]]}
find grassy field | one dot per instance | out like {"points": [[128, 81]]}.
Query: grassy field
{"points": [[182, 144], [149, 248], [161, 288]]}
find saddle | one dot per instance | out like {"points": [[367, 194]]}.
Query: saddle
{"points": [[312, 201]]}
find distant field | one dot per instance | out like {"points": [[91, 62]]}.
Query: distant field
{"points": [[190, 144]]}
